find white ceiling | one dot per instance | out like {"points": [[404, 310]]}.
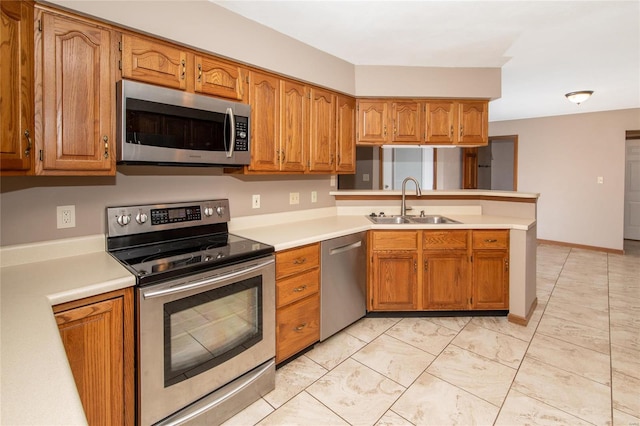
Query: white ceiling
{"points": [[545, 48]]}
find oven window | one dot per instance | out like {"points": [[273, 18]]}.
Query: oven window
{"points": [[206, 329]]}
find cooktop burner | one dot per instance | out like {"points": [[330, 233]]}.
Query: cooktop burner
{"points": [[157, 242]]}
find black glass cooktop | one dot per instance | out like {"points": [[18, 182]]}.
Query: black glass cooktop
{"points": [[153, 263]]}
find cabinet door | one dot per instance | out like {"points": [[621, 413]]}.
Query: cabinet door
{"points": [[16, 86], [445, 281], [346, 135], [264, 98], [469, 168], [394, 281], [440, 122], [75, 73], [154, 62], [218, 78], [99, 348], [294, 125], [407, 122], [490, 279], [473, 120], [373, 122], [322, 148]]}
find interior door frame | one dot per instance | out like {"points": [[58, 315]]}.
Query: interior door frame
{"points": [[470, 156]]}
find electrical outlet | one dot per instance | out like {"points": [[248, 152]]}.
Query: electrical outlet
{"points": [[600, 180], [255, 201], [294, 198], [314, 196], [332, 180], [66, 216], [365, 177]]}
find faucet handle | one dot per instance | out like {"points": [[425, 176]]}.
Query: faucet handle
{"points": [[421, 213]]}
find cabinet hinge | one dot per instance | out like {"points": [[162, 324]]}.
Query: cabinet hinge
{"points": [[40, 155], [119, 64], [120, 46], [40, 25], [471, 259]]}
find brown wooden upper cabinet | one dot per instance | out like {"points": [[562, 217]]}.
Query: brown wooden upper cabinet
{"points": [[460, 122], [169, 65], [346, 134], [383, 122], [75, 96], [297, 128], [425, 121], [16, 77]]}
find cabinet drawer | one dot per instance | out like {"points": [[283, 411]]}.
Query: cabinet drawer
{"points": [[491, 239], [297, 287], [395, 240], [454, 239], [298, 326], [289, 262]]}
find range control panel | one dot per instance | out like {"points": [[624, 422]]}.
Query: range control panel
{"points": [[130, 220]]}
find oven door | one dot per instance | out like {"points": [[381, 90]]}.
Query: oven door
{"points": [[199, 333]]}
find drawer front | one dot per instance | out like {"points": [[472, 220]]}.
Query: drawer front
{"points": [[395, 240], [297, 287], [289, 262], [298, 326], [451, 240], [493, 239]]}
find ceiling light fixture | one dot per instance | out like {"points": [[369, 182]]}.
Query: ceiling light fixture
{"points": [[580, 96]]}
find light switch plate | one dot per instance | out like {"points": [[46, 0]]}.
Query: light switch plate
{"points": [[255, 201]]}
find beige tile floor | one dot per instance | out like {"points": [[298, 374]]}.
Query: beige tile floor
{"points": [[577, 362]]}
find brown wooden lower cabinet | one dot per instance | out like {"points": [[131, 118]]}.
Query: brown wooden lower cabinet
{"points": [[97, 334], [297, 300], [446, 270]]}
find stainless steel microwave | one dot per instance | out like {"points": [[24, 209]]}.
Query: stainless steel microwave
{"points": [[164, 126]]}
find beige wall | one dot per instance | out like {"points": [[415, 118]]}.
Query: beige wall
{"points": [[561, 157], [434, 82], [28, 204]]}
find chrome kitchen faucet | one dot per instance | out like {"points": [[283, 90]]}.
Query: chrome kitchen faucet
{"points": [[403, 208]]}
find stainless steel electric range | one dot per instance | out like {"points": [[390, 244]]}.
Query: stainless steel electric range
{"points": [[205, 310]]}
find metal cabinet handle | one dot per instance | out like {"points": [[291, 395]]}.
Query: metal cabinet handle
{"points": [[490, 241], [300, 327], [27, 135], [415, 266], [461, 131], [451, 131], [199, 72], [184, 69], [299, 289], [426, 265], [105, 139], [506, 265], [385, 130], [299, 261]]}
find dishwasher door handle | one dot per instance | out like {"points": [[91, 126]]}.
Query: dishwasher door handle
{"points": [[348, 247]]}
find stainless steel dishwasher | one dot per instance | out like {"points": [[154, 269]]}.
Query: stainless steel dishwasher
{"points": [[343, 282]]}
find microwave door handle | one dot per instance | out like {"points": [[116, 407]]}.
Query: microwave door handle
{"points": [[232, 142]]}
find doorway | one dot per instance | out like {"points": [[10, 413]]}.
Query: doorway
{"points": [[493, 167], [632, 186]]}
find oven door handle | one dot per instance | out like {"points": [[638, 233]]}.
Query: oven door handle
{"points": [[196, 284]]}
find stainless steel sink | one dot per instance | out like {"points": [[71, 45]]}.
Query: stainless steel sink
{"points": [[432, 219], [388, 220], [399, 220]]}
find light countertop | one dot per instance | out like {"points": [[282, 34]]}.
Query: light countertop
{"points": [[37, 384]]}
